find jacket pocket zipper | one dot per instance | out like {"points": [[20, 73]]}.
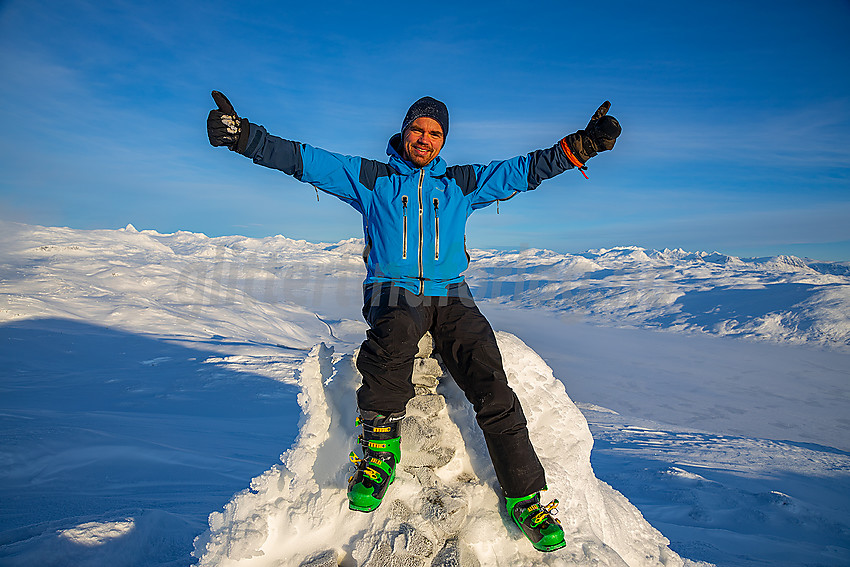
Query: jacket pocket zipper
{"points": [[436, 229], [404, 227]]}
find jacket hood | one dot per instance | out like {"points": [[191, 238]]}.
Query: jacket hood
{"points": [[435, 168]]}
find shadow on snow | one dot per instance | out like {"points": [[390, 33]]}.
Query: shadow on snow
{"points": [[101, 425]]}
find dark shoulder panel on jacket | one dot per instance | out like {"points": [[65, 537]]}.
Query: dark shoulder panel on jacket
{"points": [[371, 170], [464, 176]]}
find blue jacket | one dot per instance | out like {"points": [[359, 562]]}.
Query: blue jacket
{"points": [[414, 219]]}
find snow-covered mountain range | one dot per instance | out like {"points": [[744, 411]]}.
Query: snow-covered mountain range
{"points": [[781, 298], [147, 379]]}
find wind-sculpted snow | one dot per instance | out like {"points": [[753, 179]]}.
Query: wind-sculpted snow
{"points": [[443, 508], [781, 298], [259, 290]]}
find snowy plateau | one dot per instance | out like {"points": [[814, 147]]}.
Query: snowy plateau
{"points": [[175, 399]]}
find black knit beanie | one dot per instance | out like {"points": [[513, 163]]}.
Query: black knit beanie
{"points": [[431, 108]]}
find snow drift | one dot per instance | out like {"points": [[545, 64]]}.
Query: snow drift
{"points": [[443, 508]]}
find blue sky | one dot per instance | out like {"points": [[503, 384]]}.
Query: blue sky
{"points": [[736, 115]]}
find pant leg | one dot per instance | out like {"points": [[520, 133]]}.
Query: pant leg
{"points": [[467, 345], [398, 321]]}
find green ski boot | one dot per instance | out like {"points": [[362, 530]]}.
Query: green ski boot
{"points": [[537, 522], [375, 472]]}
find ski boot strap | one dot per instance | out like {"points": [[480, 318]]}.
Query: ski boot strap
{"points": [[380, 427], [528, 510]]}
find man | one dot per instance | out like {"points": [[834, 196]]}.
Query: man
{"points": [[414, 211]]}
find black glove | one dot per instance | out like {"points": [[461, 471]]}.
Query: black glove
{"points": [[599, 135], [224, 127]]}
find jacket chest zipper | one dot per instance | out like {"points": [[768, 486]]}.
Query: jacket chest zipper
{"points": [[421, 274], [436, 228], [404, 227]]}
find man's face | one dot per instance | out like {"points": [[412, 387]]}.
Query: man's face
{"points": [[422, 141]]}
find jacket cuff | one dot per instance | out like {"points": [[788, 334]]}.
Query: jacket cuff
{"points": [[248, 138], [244, 134]]}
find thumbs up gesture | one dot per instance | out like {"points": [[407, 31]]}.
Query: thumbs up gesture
{"points": [[223, 124], [602, 128], [600, 135]]}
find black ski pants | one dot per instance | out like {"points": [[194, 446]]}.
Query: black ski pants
{"points": [[466, 343]]}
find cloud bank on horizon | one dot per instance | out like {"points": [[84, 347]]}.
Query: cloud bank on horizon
{"points": [[734, 127]]}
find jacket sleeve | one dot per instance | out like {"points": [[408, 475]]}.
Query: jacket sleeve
{"points": [[502, 180], [336, 174]]}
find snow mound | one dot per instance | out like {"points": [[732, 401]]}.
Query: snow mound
{"points": [[443, 508]]}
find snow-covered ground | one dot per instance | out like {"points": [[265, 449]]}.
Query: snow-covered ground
{"points": [[146, 379]]}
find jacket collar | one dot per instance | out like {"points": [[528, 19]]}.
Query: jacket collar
{"points": [[436, 168]]}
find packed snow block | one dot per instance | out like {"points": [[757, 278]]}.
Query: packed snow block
{"points": [[426, 346], [444, 507], [426, 404], [427, 370], [454, 554], [420, 444], [326, 558]]}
